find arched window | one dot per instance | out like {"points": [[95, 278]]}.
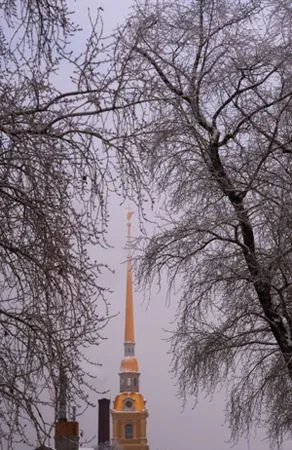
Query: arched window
{"points": [[129, 431]]}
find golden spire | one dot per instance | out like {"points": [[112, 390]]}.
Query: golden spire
{"points": [[129, 318]]}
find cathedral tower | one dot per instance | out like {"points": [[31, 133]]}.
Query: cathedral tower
{"points": [[129, 413]]}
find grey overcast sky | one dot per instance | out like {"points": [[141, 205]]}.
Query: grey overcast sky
{"points": [[170, 426]]}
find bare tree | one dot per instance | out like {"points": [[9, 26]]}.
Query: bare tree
{"points": [[56, 169], [206, 89]]}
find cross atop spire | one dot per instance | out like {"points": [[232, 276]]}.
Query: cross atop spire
{"points": [[129, 316]]}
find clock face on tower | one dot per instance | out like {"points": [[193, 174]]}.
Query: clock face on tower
{"points": [[128, 403]]}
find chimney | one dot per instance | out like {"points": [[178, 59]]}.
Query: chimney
{"points": [[66, 432], [103, 421]]}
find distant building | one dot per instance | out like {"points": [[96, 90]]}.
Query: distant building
{"points": [[129, 413]]}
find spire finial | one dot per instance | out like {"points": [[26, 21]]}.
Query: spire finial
{"points": [[129, 224], [129, 215]]}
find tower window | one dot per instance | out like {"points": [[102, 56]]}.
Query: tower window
{"points": [[129, 431]]}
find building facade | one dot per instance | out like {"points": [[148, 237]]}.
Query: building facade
{"points": [[129, 413]]}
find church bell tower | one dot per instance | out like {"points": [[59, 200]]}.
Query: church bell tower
{"points": [[129, 413]]}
